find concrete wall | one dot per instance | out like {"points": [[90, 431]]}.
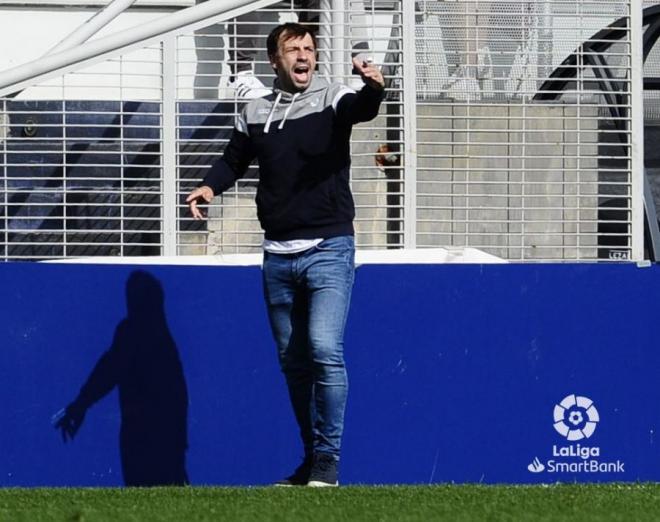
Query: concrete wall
{"points": [[511, 180]]}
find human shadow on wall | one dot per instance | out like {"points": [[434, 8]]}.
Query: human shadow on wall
{"points": [[143, 363]]}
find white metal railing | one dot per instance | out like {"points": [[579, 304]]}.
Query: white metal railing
{"points": [[124, 41], [476, 145], [523, 176], [92, 26]]}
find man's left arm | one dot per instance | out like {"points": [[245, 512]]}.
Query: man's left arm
{"points": [[354, 107]]}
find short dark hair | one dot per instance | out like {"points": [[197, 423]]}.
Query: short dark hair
{"points": [[287, 31]]}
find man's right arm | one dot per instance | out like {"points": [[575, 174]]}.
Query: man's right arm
{"points": [[223, 174], [233, 164]]}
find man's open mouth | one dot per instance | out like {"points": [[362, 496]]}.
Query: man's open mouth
{"points": [[301, 72]]}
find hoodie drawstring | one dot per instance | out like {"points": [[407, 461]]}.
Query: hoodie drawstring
{"points": [[288, 110], [269, 120], [272, 112]]}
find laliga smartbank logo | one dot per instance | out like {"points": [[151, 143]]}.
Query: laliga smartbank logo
{"points": [[575, 419]]}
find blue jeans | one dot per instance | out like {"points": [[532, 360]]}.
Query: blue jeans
{"points": [[308, 296]]}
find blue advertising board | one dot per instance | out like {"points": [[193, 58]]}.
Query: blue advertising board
{"points": [[458, 373]]}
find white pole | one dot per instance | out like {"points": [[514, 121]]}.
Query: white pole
{"points": [[93, 25], [169, 148], [325, 38], [189, 19], [410, 126], [637, 128], [337, 41]]}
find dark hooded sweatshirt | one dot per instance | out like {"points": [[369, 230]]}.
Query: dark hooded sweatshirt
{"points": [[302, 144]]}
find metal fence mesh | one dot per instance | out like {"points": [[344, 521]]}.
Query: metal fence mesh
{"points": [[507, 144], [508, 162]]}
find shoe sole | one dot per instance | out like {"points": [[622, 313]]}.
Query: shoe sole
{"points": [[319, 484]]}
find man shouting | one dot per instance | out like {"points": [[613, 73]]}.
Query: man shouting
{"points": [[299, 135]]}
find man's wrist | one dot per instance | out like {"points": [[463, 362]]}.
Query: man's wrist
{"points": [[205, 185]]}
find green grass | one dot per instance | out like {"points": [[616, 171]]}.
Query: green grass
{"points": [[629, 502]]}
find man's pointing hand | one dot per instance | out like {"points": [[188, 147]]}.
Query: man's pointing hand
{"points": [[203, 194], [369, 73]]}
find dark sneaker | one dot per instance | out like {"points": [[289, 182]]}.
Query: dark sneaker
{"points": [[324, 471], [300, 476]]}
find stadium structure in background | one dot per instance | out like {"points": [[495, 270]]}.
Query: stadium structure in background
{"points": [[513, 127]]}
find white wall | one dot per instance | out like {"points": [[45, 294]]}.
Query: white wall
{"points": [[27, 33]]}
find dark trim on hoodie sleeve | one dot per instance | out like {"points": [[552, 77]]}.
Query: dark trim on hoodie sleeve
{"points": [[361, 106], [234, 163]]}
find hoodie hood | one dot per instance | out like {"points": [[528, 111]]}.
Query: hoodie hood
{"points": [[317, 84], [283, 98]]}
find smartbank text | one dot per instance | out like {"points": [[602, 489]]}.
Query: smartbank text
{"points": [[588, 463], [586, 466]]}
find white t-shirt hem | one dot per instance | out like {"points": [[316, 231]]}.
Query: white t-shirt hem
{"points": [[293, 246]]}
